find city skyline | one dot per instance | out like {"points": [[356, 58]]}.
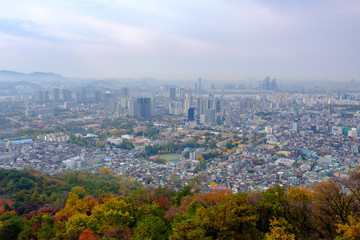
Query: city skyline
{"points": [[218, 40]]}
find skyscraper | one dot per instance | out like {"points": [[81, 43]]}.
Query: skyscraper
{"points": [[124, 92], [97, 95], [46, 96], [66, 95], [56, 95], [142, 107], [172, 93], [39, 96], [191, 114], [199, 88]]}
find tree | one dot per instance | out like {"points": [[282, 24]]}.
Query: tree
{"points": [[113, 212], [212, 198], [279, 230], [11, 228], [332, 204], [88, 234], [230, 219], [152, 227], [272, 203], [181, 194], [79, 190], [212, 144], [229, 144], [300, 213], [75, 225], [189, 230]]}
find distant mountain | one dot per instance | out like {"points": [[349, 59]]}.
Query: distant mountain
{"points": [[36, 77], [10, 73], [43, 74]]}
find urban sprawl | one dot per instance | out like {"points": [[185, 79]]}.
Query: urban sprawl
{"points": [[234, 137]]}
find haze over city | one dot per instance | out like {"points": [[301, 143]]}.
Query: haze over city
{"points": [[215, 39]]}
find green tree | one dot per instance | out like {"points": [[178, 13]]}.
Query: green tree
{"points": [[212, 144], [152, 227], [229, 144], [11, 228]]}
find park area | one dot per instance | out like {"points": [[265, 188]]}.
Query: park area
{"points": [[166, 157]]}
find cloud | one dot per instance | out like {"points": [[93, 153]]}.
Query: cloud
{"points": [[222, 37], [19, 27]]}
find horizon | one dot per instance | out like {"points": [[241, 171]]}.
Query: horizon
{"points": [[217, 39], [194, 79]]}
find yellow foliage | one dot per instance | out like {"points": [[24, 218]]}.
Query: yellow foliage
{"points": [[69, 209], [351, 230], [279, 231], [78, 190], [105, 171], [213, 184], [76, 224]]}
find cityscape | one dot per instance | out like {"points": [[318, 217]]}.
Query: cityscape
{"points": [[236, 135], [179, 120]]}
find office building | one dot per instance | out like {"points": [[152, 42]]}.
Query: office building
{"points": [[56, 95], [142, 107], [172, 93], [191, 114]]}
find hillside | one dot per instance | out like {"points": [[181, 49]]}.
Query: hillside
{"points": [[81, 205]]}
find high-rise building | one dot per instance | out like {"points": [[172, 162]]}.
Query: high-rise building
{"points": [[46, 97], [124, 92], [97, 95], [191, 114], [199, 87], [210, 116], [66, 95], [182, 93], [172, 93], [142, 107], [208, 109], [295, 125], [81, 95], [39, 96], [56, 95], [218, 105]]}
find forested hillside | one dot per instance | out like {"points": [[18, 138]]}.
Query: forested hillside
{"points": [[81, 205]]}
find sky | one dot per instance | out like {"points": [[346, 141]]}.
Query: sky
{"points": [[187, 39]]}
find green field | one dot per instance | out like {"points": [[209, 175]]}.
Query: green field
{"points": [[169, 157]]}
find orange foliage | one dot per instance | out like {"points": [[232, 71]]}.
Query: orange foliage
{"points": [[212, 198], [48, 178], [170, 214], [88, 234], [163, 203], [119, 232], [185, 202], [2, 207]]}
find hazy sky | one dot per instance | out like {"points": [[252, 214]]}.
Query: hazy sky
{"points": [[171, 39]]}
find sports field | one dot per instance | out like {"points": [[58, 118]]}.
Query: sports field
{"points": [[169, 157]]}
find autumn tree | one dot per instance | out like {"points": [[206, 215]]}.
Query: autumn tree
{"points": [[332, 204], [11, 227], [300, 210], [88, 234], [272, 204], [233, 218], [279, 230], [152, 227]]}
